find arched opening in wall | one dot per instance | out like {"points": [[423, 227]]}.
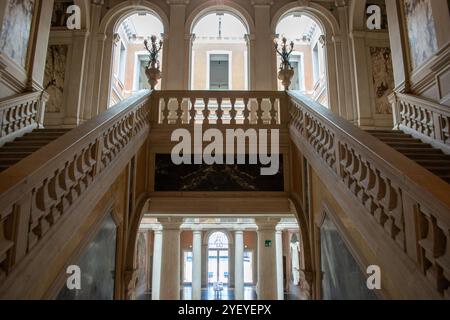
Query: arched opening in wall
{"points": [[130, 57], [306, 38], [218, 261], [219, 53]]}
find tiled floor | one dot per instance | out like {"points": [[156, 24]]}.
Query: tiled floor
{"points": [[228, 294]]}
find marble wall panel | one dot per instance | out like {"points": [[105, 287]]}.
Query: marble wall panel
{"points": [[382, 77], [55, 75], [342, 276], [97, 266], [16, 30], [421, 31]]}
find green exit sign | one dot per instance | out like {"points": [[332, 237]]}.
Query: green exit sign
{"points": [[268, 243]]}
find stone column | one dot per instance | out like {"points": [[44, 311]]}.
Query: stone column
{"points": [[176, 65], [264, 79], [239, 264], [279, 261], [75, 78], [170, 259], [197, 265], [267, 268], [156, 269]]}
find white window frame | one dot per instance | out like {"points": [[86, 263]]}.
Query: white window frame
{"points": [[137, 54], [125, 52], [301, 80], [230, 67]]}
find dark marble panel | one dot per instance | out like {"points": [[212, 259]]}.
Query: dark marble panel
{"points": [[342, 276], [16, 30], [186, 177], [60, 15], [97, 266]]}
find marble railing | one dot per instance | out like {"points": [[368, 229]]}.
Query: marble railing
{"points": [[428, 119], [20, 114], [410, 204], [244, 108], [47, 186]]}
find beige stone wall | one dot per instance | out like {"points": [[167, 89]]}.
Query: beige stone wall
{"points": [[238, 55]]}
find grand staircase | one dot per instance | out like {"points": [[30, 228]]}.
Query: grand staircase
{"points": [[432, 159], [20, 148]]}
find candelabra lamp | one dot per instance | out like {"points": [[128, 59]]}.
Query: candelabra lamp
{"points": [[286, 72], [153, 71]]}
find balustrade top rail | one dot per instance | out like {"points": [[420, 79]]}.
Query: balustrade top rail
{"points": [[21, 112], [219, 108], [422, 116], [409, 203], [35, 167], [427, 186]]}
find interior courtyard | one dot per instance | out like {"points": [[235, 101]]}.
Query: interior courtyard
{"points": [[136, 138]]}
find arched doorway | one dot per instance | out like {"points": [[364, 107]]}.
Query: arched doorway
{"points": [[219, 52], [218, 261], [130, 57], [308, 56]]}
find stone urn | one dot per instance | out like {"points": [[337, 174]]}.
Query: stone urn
{"points": [[153, 75], [286, 75]]}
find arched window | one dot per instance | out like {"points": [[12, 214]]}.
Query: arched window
{"points": [[219, 53], [129, 55], [218, 240], [308, 57]]}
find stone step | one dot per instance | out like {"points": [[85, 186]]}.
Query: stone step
{"points": [[9, 162], [3, 167], [52, 130], [14, 148], [434, 163], [399, 139], [384, 131], [426, 156], [419, 150], [36, 138], [410, 144], [440, 171], [14, 155], [28, 143]]}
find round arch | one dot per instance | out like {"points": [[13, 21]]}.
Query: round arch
{"points": [[229, 7], [105, 41], [212, 231], [330, 27], [319, 14]]}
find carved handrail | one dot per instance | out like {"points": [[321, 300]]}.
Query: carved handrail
{"points": [[39, 190], [410, 203], [427, 118], [21, 113], [220, 107]]}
